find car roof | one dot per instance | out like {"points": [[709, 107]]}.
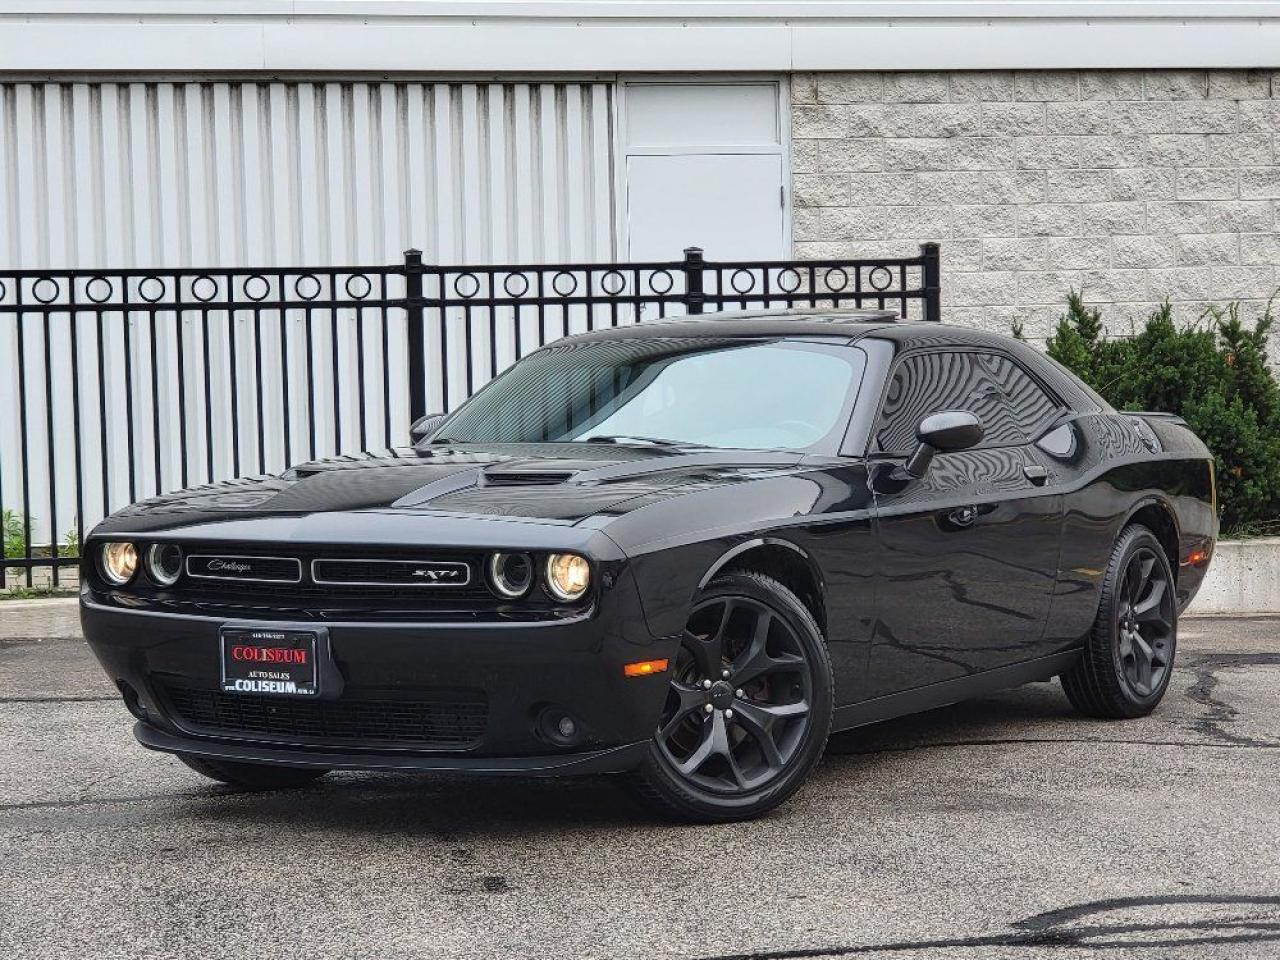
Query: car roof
{"points": [[802, 322]]}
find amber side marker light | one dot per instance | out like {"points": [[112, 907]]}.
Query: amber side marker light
{"points": [[1195, 558], [644, 668]]}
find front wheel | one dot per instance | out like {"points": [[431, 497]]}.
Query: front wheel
{"points": [[1128, 657], [749, 706], [252, 776]]}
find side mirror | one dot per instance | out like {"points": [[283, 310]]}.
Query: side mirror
{"points": [[944, 432], [423, 427]]}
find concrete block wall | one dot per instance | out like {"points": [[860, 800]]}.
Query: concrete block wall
{"points": [[1132, 186]]}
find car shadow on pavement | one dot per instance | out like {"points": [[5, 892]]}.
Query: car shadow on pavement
{"points": [[392, 803]]}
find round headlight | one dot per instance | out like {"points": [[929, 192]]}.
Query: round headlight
{"points": [[568, 575], [164, 563], [119, 562], [511, 573]]}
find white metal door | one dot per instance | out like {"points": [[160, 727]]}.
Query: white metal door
{"points": [[730, 205], [705, 166]]}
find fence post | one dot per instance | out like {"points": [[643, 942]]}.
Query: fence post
{"points": [[415, 310], [693, 266], [931, 253]]}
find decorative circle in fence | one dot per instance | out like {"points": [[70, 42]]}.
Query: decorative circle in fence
{"points": [[204, 288], [313, 285], [789, 280], [466, 285], [880, 278], [358, 281], [741, 275], [151, 289], [521, 286], [613, 282], [829, 278], [668, 282], [261, 287], [564, 283], [98, 289], [43, 284]]}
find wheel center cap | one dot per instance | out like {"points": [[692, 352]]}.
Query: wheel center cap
{"points": [[721, 694]]}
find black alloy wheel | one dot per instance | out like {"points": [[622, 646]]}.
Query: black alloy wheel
{"points": [[749, 704], [1145, 622], [1127, 662]]}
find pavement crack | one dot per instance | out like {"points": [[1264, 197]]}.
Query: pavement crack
{"points": [[1219, 712], [1255, 919], [93, 801]]}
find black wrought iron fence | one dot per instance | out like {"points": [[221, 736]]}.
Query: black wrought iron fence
{"points": [[116, 385]]}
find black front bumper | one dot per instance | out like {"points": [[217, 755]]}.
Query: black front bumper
{"points": [[480, 694]]}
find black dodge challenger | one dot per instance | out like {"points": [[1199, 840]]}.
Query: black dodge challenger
{"points": [[685, 550]]}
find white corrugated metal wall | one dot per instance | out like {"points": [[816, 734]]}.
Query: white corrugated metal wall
{"points": [[248, 174]]}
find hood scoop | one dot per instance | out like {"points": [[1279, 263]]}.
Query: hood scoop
{"points": [[522, 475]]}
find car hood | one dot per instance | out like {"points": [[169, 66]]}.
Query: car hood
{"points": [[552, 483]]}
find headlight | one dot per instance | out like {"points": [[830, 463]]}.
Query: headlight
{"points": [[568, 575], [164, 563], [511, 574], [119, 562]]}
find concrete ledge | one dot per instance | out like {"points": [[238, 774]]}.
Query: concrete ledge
{"points": [[1244, 577]]}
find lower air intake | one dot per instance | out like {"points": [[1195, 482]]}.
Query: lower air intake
{"points": [[443, 719]]}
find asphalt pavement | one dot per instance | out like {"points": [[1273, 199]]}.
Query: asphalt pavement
{"points": [[1005, 827]]}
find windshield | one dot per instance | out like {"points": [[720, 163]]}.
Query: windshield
{"points": [[753, 394]]}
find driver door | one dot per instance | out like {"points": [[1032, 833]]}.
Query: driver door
{"points": [[969, 552]]}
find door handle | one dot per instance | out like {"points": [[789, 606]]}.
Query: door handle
{"points": [[1037, 474]]}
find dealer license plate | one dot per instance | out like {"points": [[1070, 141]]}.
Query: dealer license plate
{"points": [[273, 662]]}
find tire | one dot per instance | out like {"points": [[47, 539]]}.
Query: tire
{"points": [[252, 776], [770, 699], [1127, 660]]}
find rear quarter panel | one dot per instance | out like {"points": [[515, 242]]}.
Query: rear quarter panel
{"points": [[1111, 475]]}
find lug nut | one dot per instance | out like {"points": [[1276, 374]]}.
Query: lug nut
{"points": [[706, 684], [728, 714], [709, 708], [725, 674], [739, 693]]}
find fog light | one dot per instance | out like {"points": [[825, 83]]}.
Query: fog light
{"points": [[164, 563], [559, 727], [132, 702], [568, 575], [118, 562]]}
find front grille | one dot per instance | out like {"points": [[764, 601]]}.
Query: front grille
{"points": [[254, 569], [338, 583], [390, 573], [435, 719]]}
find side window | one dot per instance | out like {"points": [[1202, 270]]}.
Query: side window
{"points": [[984, 384], [1032, 408]]}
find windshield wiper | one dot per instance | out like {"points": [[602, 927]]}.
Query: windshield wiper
{"points": [[626, 440]]}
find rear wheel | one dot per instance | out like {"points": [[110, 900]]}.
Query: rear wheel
{"points": [[1128, 658], [252, 776], [749, 706]]}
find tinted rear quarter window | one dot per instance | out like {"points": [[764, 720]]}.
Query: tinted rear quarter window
{"points": [[1011, 405]]}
